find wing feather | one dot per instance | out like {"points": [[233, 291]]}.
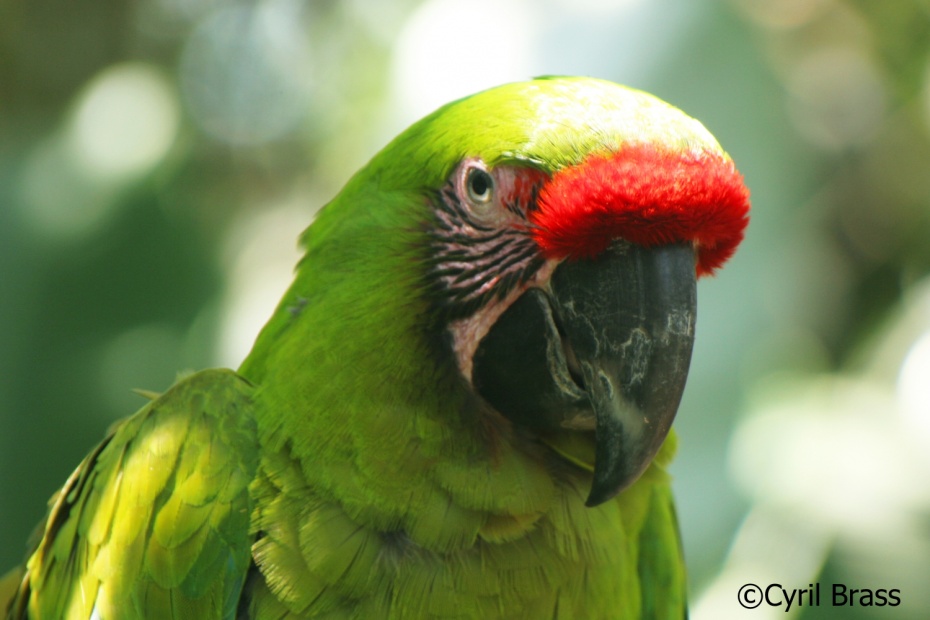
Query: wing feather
{"points": [[154, 523]]}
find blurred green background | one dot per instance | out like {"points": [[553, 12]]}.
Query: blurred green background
{"points": [[158, 159]]}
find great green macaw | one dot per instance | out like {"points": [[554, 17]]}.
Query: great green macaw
{"points": [[461, 407]]}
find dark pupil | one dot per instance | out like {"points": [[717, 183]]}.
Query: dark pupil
{"points": [[480, 183]]}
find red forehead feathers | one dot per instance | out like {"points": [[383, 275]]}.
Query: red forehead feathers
{"points": [[647, 196]]}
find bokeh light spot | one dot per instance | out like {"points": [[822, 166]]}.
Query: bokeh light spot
{"points": [[838, 97], [57, 201], [783, 14], [914, 385], [450, 49], [261, 254], [830, 449], [125, 121], [245, 73]]}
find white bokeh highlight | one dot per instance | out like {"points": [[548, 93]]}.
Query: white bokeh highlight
{"points": [[450, 49], [125, 121]]}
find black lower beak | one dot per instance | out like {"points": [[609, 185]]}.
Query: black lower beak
{"points": [[605, 349]]}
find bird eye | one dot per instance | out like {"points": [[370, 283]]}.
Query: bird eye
{"points": [[480, 186]]}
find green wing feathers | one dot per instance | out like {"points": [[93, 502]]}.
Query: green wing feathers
{"points": [[155, 522]]}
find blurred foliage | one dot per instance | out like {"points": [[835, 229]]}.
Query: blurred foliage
{"points": [[159, 157], [855, 76], [834, 459]]}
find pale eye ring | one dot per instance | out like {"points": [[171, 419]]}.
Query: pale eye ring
{"points": [[480, 186]]}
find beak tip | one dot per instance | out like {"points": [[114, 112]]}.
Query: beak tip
{"points": [[611, 481], [596, 498]]}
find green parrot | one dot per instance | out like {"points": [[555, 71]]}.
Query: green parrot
{"points": [[461, 407]]}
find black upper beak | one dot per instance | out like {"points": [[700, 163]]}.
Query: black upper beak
{"points": [[605, 348]]}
